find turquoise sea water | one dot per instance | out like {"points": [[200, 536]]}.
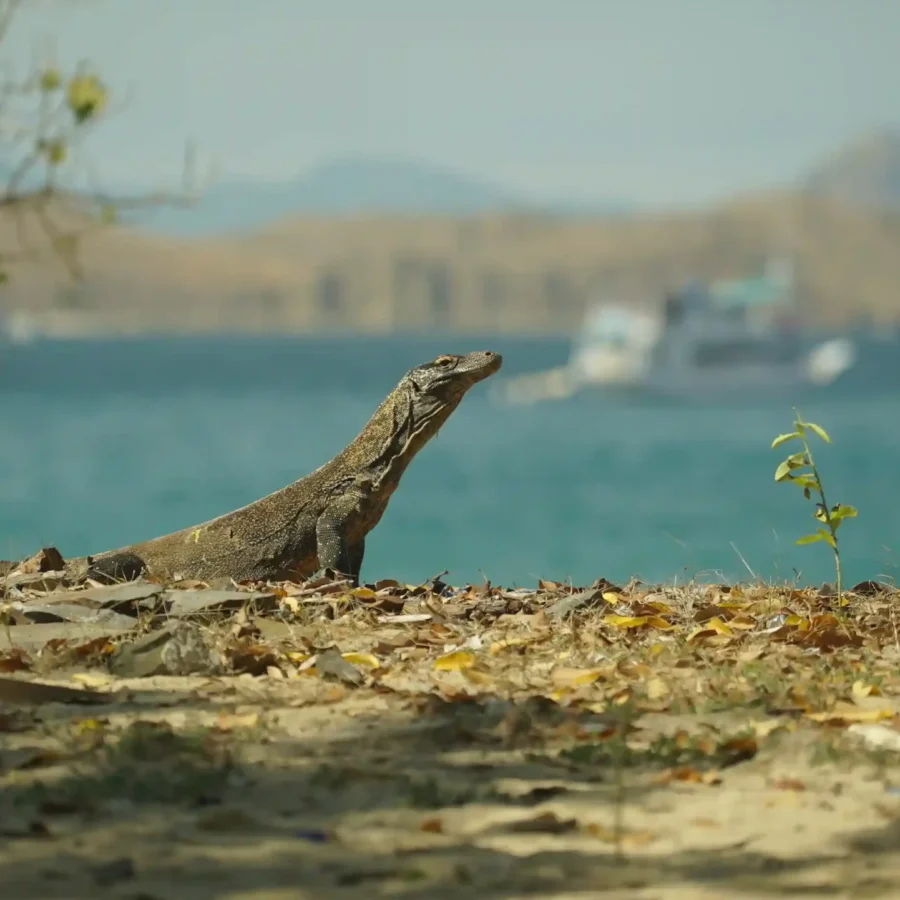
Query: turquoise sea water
{"points": [[105, 442]]}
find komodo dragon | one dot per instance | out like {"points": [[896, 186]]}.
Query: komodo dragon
{"points": [[319, 522]]}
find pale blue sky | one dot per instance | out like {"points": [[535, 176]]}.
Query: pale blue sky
{"points": [[659, 101]]}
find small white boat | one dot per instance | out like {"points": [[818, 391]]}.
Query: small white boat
{"points": [[706, 339]]}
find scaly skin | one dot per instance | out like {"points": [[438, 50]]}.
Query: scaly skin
{"points": [[321, 521]]}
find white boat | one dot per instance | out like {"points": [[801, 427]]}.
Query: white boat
{"points": [[725, 337]]}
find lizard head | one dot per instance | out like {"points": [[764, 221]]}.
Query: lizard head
{"points": [[414, 412], [448, 377]]}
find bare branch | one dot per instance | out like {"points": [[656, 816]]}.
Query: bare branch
{"points": [[45, 119]]}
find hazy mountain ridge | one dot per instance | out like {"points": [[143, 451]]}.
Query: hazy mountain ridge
{"points": [[865, 171], [364, 185]]}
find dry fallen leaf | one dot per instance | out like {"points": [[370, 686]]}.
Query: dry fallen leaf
{"points": [[637, 622], [565, 677]]}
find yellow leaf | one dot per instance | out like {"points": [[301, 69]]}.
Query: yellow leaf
{"points": [[717, 625], [363, 593], [575, 677], [861, 689], [658, 623], [734, 604], [362, 659], [661, 607], [657, 689], [296, 657], [86, 726], [848, 712], [798, 622], [452, 662], [610, 596], [625, 621], [87, 97]]}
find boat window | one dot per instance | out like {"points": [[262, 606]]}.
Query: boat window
{"points": [[730, 352]]}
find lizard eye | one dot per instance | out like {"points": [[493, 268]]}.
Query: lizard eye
{"points": [[444, 362]]}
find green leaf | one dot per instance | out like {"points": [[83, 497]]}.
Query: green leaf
{"points": [[819, 430], [820, 535], [795, 460], [783, 472], [808, 482], [783, 438], [843, 511]]}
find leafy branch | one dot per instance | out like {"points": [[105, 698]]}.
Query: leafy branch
{"points": [[45, 117], [800, 469]]}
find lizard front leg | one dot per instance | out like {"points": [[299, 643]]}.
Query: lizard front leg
{"points": [[332, 547]]}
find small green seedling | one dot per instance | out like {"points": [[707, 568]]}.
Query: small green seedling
{"points": [[800, 468]]}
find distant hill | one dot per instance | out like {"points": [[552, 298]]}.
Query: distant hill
{"points": [[369, 185], [865, 172]]}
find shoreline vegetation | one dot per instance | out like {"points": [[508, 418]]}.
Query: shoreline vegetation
{"points": [[704, 740]]}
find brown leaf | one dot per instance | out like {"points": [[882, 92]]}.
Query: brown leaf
{"points": [[251, 657], [15, 660], [870, 588], [434, 826], [690, 774]]}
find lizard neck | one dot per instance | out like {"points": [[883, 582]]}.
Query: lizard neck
{"points": [[403, 423]]}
